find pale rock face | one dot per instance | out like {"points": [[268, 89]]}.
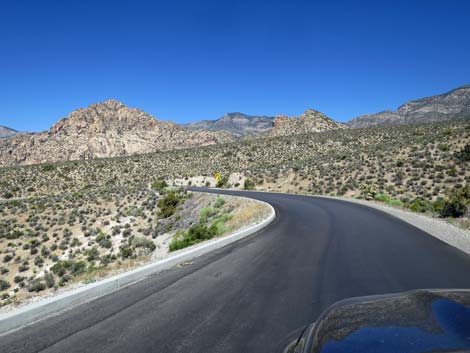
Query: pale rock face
{"points": [[451, 105], [237, 124], [308, 122], [6, 132], [107, 129]]}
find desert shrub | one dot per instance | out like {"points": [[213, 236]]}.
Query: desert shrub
{"points": [[222, 182], [455, 205], [219, 202], [194, 235], [167, 205], [464, 154], [19, 279], [77, 268], [159, 185], [103, 241], [420, 205], [248, 184], [382, 197], [141, 242], [126, 251], [92, 254], [39, 261], [206, 213], [64, 266], [368, 191], [4, 285], [49, 278], [395, 203], [7, 258], [36, 285]]}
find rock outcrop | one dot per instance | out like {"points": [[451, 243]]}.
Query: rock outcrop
{"points": [[308, 122], [106, 129]]}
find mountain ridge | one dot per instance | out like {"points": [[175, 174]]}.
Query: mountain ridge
{"points": [[454, 104], [7, 132], [235, 123]]}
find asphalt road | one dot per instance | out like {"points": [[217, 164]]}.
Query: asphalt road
{"points": [[248, 296]]}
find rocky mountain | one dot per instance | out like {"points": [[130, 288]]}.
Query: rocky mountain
{"points": [[106, 129], [237, 124], [451, 105], [308, 122], [6, 132]]}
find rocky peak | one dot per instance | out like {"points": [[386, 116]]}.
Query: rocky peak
{"points": [[107, 116], [310, 121], [280, 120]]}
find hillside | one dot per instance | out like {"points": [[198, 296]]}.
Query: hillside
{"points": [[106, 129], [308, 122], [6, 132], [451, 105], [237, 124], [405, 162]]}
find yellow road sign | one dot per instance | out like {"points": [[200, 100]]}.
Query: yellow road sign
{"points": [[217, 176]]}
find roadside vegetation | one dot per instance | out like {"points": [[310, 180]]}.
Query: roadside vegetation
{"points": [[52, 241], [212, 223]]}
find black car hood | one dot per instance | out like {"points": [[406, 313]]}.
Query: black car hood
{"points": [[412, 322]]}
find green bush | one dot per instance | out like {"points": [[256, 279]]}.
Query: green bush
{"points": [[141, 242], [248, 184], [206, 213], [126, 251], [159, 185], [167, 205], [195, 234], [464, 154], [103, 241], [219, 202], [4, 285], [420, 205], [64, 266], [456, 204], [36, 285], [91, 254], [223, 182], [382, 197], [395, 203]]}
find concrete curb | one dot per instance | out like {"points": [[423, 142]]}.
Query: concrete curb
{"points": [[38, 311]]}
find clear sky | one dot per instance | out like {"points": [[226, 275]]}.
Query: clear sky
{"points": [[191, 60]]}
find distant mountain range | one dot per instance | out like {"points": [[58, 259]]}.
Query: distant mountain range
{"points": [[451, 105], [111, 129], [237, 124], [6, 132]]}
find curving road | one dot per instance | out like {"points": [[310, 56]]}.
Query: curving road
{"points": [[248, 296]]}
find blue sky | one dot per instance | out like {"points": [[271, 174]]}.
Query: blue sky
{"points": [[191, 60]]}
